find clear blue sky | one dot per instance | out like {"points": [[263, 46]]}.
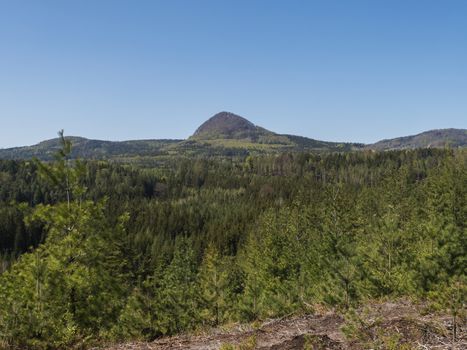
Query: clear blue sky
{"points": [[332, 70]]}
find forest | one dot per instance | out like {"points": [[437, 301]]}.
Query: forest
{"points": [[98, 251]]}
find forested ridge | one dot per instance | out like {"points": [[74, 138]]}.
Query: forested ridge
{"points": [[96, 251], [225, 135]]}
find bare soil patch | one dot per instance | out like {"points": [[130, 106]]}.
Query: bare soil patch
{"points": [[390, 325]]}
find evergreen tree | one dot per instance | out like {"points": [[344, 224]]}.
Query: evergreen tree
{"points": [[70, 287], [178, 299], [213, 284], [341, 228], [272, 267]]}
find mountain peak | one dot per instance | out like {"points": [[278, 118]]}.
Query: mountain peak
{"points": [[226, 125]]}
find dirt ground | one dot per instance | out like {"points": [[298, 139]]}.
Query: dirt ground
{"points": [[400, 325]]}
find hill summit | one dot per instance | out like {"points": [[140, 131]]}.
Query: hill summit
{"points": [[227, 125]]}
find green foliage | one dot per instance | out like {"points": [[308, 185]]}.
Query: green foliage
{"points": [[451, 296], [248, 344], [179, 296], [340, 230], [273, 267], [214, 286], [70, 286], [136, 320], [96, 251]]}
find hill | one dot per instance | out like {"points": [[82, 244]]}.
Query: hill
{"points": [[226, 125], [226, 134], [91, 149], [439, 138], [228, 130]]}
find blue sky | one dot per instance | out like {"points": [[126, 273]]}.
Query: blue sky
{"points": [[333, 70]]}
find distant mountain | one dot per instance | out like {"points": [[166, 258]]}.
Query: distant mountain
{"points": [[226, 125], [225, 134], [429, 139], [229, 126], [226, 129]]}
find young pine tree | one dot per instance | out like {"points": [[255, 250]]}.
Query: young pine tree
{"points": [[213, 284]]}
